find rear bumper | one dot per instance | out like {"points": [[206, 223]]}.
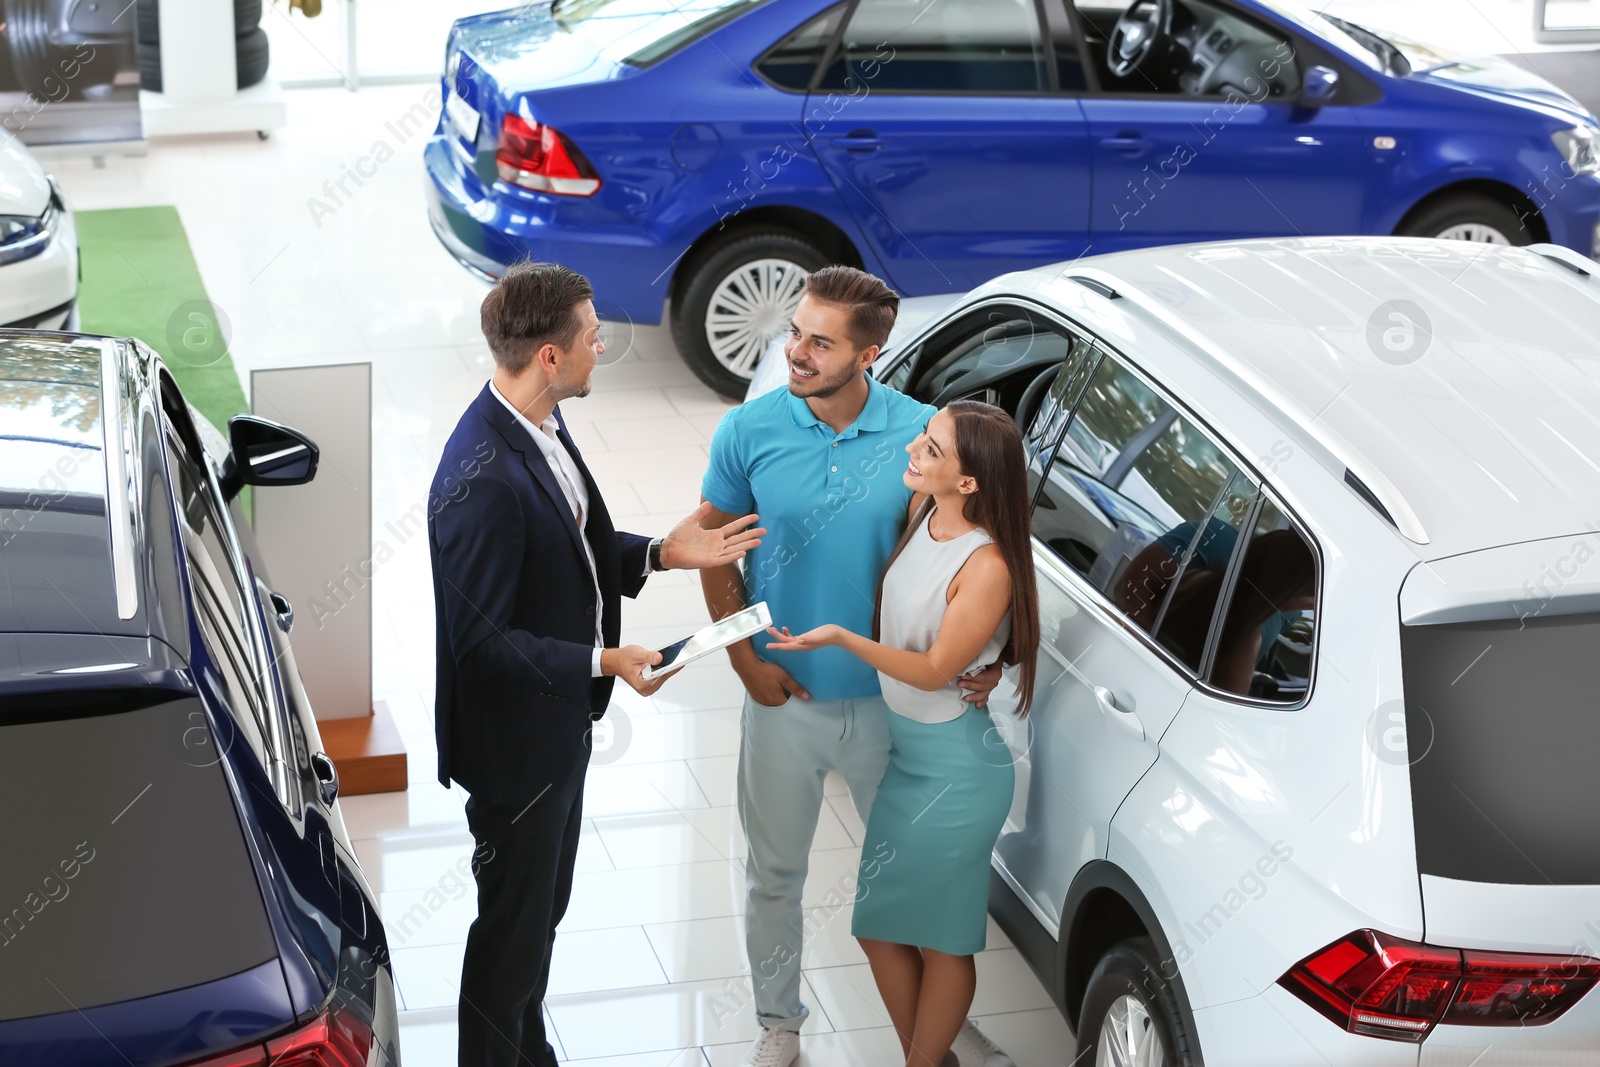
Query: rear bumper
{"points": [[629, 268]]}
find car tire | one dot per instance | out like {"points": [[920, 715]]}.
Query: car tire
{"points": [[246, 17], [1128, 999], [1469, 218], [766, 265], [252, 54], [150, 67], [27, 37]]}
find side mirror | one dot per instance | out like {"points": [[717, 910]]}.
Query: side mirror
{"points": [[263, 452], [1320, 86]]}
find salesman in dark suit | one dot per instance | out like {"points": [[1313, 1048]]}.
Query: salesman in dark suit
{"points": [[527, 576]]}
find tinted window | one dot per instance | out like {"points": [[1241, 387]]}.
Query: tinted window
{"points": [[125, 870], [1501, 733], [1265, 646], [940, 46], [793, 60], [1047, 418], [993, 354], [1183, 571], [1130, 472]]}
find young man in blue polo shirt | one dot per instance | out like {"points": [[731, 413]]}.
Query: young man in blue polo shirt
{"points": [[821, 462]]}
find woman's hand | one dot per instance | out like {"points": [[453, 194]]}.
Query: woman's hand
{"points": [[823, 636]]}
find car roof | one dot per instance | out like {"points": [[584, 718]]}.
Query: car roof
{"points": [[1476, 425], [75, 513]]}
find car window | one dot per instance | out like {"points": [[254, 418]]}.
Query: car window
{"points": [[1070, 74], [1046, 419], [1217, 51], [1131, 479], [1265, 646], [993, 354], [220, 600], [1186, 569], [791, 62], [992, 46]]}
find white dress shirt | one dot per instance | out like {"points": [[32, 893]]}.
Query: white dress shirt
{"points": [[577, 493]]}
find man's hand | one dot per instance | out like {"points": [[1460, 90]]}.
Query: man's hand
{"points": [[980, 685], [768, 683], [691, 547], [628, 662]]}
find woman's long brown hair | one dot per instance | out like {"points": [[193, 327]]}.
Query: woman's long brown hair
{"points": [[989, 450]]}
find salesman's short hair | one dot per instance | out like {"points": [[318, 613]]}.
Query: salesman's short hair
{"points": [[532, 305], [872, 304]]}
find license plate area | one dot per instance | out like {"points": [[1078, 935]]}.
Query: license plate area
{"points": [[463, 117]]}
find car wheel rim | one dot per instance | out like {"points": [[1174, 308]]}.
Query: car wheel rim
{"points": [[1474, 231], [1128, 1036], [750, 307]]}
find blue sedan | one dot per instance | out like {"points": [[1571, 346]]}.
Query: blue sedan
{"points": [[699, 158]]}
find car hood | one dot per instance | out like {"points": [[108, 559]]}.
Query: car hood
{"points": [[1489, 74], [24, 188]]}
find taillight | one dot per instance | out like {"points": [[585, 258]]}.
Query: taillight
{"points": [[1371, 983], [536, 156], [335, 1038]]}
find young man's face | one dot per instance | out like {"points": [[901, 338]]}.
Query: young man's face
{"points": [[822, 357], [577, 362]]}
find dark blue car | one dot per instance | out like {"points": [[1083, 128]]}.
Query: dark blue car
{"points": [[703, 155], [176, 883]]}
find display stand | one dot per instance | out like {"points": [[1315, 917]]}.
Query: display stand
{"points": [[199, 77]]}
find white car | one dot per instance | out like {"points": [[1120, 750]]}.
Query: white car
{"points": [[1309, 776], [38, 246]]}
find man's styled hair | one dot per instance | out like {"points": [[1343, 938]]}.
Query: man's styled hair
{"points": [[872, 304], [533, 304]]}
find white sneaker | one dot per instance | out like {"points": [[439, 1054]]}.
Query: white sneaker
{"points": [[973, 1049], [775, 1048]]}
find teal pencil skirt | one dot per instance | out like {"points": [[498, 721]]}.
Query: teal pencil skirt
{"points": [[924, 877]]}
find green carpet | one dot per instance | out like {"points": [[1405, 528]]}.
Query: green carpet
{"points": [[140, 280]]}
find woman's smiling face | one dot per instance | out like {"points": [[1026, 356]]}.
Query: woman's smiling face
{"points": [[934, 467]]}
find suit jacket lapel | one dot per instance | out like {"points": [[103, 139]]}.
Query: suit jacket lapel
{"points": [[518, 440]]}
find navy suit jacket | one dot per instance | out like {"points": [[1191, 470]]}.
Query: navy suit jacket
{"points": [[514, 606]]}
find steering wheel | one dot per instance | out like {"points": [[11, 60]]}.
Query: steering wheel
{"points": [[1144, 30]]}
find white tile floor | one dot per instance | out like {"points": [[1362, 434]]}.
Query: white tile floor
{"points": [[649, 969]]}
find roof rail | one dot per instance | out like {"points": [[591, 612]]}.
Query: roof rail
{"points": [[1566, 257], [1096, 286]]}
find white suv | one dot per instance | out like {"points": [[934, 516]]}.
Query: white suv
{"points": [[1310, 777], [38, 246]]}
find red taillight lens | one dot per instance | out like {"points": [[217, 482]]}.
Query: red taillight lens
{"points": [[1371, 983], [536, 156], [335, 1038]]}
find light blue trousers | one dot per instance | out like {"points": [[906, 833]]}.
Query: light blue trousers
{"points": [[784, 755]]}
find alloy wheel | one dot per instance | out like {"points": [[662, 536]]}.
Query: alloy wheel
{"points": [[750, 307], [1480, 232], [1128, 1036]]}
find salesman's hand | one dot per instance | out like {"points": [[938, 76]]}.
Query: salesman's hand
{"points": [[627, 662], [768, 683], [692, 547]]}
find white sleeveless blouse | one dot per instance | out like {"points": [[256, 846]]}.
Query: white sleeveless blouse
{"points": [[915, 589]]}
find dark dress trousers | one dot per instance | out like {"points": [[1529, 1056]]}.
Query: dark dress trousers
{"points": [[514, 605]]}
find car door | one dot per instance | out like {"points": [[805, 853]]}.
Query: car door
{"points": [[1136, 514], [1223, 148], [953, 133]]}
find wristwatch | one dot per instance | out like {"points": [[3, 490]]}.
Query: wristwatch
{"points": [[655, 554]]}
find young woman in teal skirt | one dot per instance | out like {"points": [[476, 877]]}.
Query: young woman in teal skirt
{"points": [[958, 594]]}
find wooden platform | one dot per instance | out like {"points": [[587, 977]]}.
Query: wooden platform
{"points": [[368, 752]]}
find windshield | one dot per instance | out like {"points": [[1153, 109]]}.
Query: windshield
{"points": [[1330, 29], [126, 872], [642, 32]]}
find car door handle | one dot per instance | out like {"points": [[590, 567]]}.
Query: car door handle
{"points": [[283, 611], [1128, 720], [861, 141], [1127, 143]]}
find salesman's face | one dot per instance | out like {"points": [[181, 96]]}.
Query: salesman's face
{"points": [[577, 363], [822, 357]]}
